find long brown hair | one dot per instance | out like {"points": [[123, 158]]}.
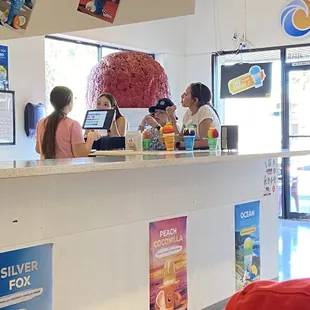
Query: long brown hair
{"points": [[113, 104], [203, 94], [60, 97]]}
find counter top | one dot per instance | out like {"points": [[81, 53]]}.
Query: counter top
{"points": [[133, 160]]}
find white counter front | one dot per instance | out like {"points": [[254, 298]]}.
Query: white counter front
{"points": [[97, 212]]}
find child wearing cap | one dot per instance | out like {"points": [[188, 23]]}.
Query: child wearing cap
{"points": [[153, 122], [270, 295]]}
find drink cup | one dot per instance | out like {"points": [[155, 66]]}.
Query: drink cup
{"points": [[146, 144], [169, 140], [212, 142], [189, 142]]}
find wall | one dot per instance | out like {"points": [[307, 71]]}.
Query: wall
{"points": [[27, 78], [212, 27], [162, 36], [101, 247]]}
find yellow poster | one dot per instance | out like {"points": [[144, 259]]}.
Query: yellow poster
{"points": [[254, 78]]}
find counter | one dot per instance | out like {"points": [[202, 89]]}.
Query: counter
{"points": [[97, 211], [123, 160]]}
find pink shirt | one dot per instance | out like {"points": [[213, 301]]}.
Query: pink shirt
{"points": [[69, 132]]}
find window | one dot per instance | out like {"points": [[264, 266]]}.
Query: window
{"points": [[69, 64], [105, 51], [257, 118]]}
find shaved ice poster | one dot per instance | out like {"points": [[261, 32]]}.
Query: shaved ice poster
{"points": [[168, 264], [26, 278], [246, 80], [247, 243], [15, 14], [103, 9]]}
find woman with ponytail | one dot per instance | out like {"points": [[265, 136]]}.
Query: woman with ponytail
{"points": [[200, 113], [59, 136]]}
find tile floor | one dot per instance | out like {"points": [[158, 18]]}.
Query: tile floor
{"points": [[294, 250]]}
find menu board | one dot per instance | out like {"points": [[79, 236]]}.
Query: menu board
{"points": [[7, 117]]}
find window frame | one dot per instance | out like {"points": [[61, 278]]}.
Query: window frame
{"points": [[98, 45]]}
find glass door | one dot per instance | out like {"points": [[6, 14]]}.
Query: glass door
{"points": [[296, 136]]}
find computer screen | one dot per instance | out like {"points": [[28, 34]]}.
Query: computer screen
{"points": [[98, 119]]}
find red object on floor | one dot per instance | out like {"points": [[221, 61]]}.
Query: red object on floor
{"points": [[110, 8], [271, 295]]}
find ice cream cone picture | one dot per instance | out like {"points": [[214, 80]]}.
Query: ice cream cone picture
{"points": [[168, 298], [168, 265], [254, 78]]}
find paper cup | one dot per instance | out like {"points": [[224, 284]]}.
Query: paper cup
{"points": [[146, 144], [169, 140], [212, 143], [189, 142]]}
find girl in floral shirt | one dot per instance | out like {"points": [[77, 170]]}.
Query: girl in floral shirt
{"points": [[154, 122]]}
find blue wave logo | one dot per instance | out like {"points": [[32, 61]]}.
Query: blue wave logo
{"points": [[295, 19]]}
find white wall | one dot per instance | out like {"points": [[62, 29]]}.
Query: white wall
{"points": [[106, 244], [212, 27], [162, 36], [27, 79]]}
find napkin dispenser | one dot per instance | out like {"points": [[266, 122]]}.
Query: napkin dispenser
{"points": [[229, 137]]}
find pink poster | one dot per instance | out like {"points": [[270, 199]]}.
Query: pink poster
{"points": [[168, 264]]}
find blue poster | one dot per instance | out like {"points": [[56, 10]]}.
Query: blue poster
{"points": [[247, 243], [4, 68], [26, 278]]}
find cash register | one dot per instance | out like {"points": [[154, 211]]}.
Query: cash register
{"points": [[101, 120]]}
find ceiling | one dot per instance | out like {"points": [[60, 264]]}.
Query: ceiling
{"points": [[58, 16]]}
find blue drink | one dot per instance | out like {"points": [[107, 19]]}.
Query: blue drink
{"points": [[189, 142]]}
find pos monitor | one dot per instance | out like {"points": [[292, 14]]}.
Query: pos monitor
{"points": [[98, 119]]}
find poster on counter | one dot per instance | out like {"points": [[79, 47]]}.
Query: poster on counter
{"points": [[270, 176], [246, 80], [26, 278], [15, 14], [168, 264], [103, 9], [247, 243]]}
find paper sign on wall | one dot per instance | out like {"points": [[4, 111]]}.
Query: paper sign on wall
{"points": [[15, 14], [247, 243], [103, 9], [26, 278], [168, 264], [270, 176]]}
